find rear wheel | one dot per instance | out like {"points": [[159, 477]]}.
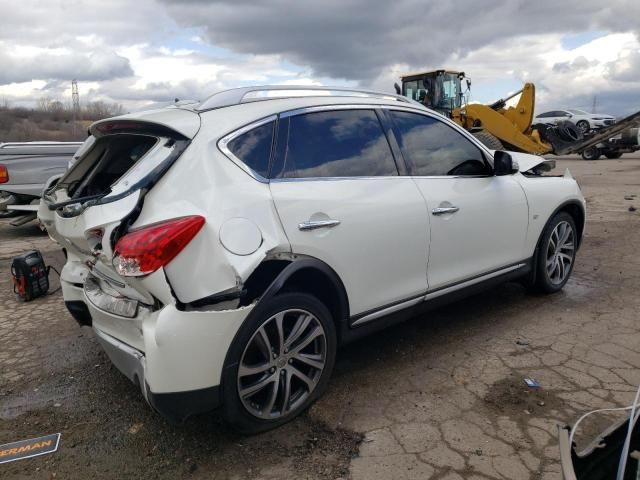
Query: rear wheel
{"points": [[591, 154], [279, 364], [556, 253], [489, 140]]}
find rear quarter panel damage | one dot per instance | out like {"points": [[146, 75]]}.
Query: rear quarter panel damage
{"points": [[209, 184]]}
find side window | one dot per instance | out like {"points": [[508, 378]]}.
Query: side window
{"points": [[338, 143], [545, 115], [431, 147], [253, 148]]}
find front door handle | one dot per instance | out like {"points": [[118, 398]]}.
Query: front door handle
{"points": [[315, 224], [444, 210]]}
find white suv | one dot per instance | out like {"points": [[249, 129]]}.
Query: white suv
{"points": [[222, 251]]}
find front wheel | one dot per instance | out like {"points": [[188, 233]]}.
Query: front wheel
{"points": [[583, 125], [280, 363], [556, 253]]}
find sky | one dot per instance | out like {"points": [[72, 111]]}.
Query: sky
{"points": [[148, 51]]}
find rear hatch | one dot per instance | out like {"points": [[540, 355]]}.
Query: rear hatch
{"points": [[97, 200]]}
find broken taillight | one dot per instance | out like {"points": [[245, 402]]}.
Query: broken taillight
{"points": [[4, 174], [145, 250]]}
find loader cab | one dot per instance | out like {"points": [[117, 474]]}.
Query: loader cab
{"points": [[440, 90]]}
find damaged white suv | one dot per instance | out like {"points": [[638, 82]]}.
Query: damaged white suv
{"points": [[222, 251]]}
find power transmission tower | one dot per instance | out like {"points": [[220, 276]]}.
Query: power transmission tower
{"points": [[75, 100], [593, 108]]}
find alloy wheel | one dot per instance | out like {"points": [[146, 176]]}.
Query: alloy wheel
{"points": [[282, 364], [560, 252]]}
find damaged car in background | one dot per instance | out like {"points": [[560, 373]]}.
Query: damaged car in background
{"points": [[222, 251], [26, 170]]}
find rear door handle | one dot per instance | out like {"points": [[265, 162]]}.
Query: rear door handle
{"points": [[444, 210], [313, 225]]}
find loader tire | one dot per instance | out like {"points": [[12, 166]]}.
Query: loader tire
{"points": [[612, 155], [488, 140], [569, 132]]}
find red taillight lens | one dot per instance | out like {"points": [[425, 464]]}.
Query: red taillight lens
{"points": [[143, 251], [4, 174]]}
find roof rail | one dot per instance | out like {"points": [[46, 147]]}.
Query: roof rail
{"points": [[236, 96]]}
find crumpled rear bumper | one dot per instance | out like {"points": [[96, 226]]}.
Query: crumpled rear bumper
{"points": [[175, 406]]}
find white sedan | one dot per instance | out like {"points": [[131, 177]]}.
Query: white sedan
{"points": [[222, 251], [583, 120]]}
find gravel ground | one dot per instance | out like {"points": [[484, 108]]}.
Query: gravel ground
{"points": [[440, 396]]}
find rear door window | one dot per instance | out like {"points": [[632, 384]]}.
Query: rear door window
{"points": [[433, 148], [253, 148], [337, 143]]}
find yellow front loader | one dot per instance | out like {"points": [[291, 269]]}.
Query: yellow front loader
{"points": [[498, 125]]}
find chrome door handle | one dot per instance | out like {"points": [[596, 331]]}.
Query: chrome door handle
{"points": [[444, 210], [312, 225]]}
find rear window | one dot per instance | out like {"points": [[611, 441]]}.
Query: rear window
{"points": [[340, 143], [108, 160], [253, 148]]}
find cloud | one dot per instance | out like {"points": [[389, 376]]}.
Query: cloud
{"points": [[69, 23], [157, 50], [94, 66], [356, 39], [579, 63]]}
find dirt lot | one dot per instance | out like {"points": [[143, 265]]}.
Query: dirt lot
{"points": [[441, 396]]}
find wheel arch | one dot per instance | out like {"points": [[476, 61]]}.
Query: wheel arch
{"points": [[278, 276], [574, 208], [577, 212], [301, 274]]}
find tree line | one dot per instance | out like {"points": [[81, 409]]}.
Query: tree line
{"points": [[51, 119]]}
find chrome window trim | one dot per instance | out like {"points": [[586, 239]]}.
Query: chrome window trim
{"points": [[418, 109], [223, 146], [328, 108], [332, 179]]}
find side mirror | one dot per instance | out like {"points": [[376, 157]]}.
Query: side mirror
{"points": [[503, 164], [398, 89]]}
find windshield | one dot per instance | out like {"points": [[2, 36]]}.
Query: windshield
{"points": [[450, 97], [438, 91]]}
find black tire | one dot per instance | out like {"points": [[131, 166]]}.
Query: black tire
{"points": [[569, 132], [489, 140], [591, 154], [234, 411], [583, 125], [544, 281], [612, 155]]}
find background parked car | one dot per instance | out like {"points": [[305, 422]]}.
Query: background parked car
{"points": [[583, 120], [27, 168]]}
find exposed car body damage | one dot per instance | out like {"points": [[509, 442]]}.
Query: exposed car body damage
{"points": [[195, 235]]}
